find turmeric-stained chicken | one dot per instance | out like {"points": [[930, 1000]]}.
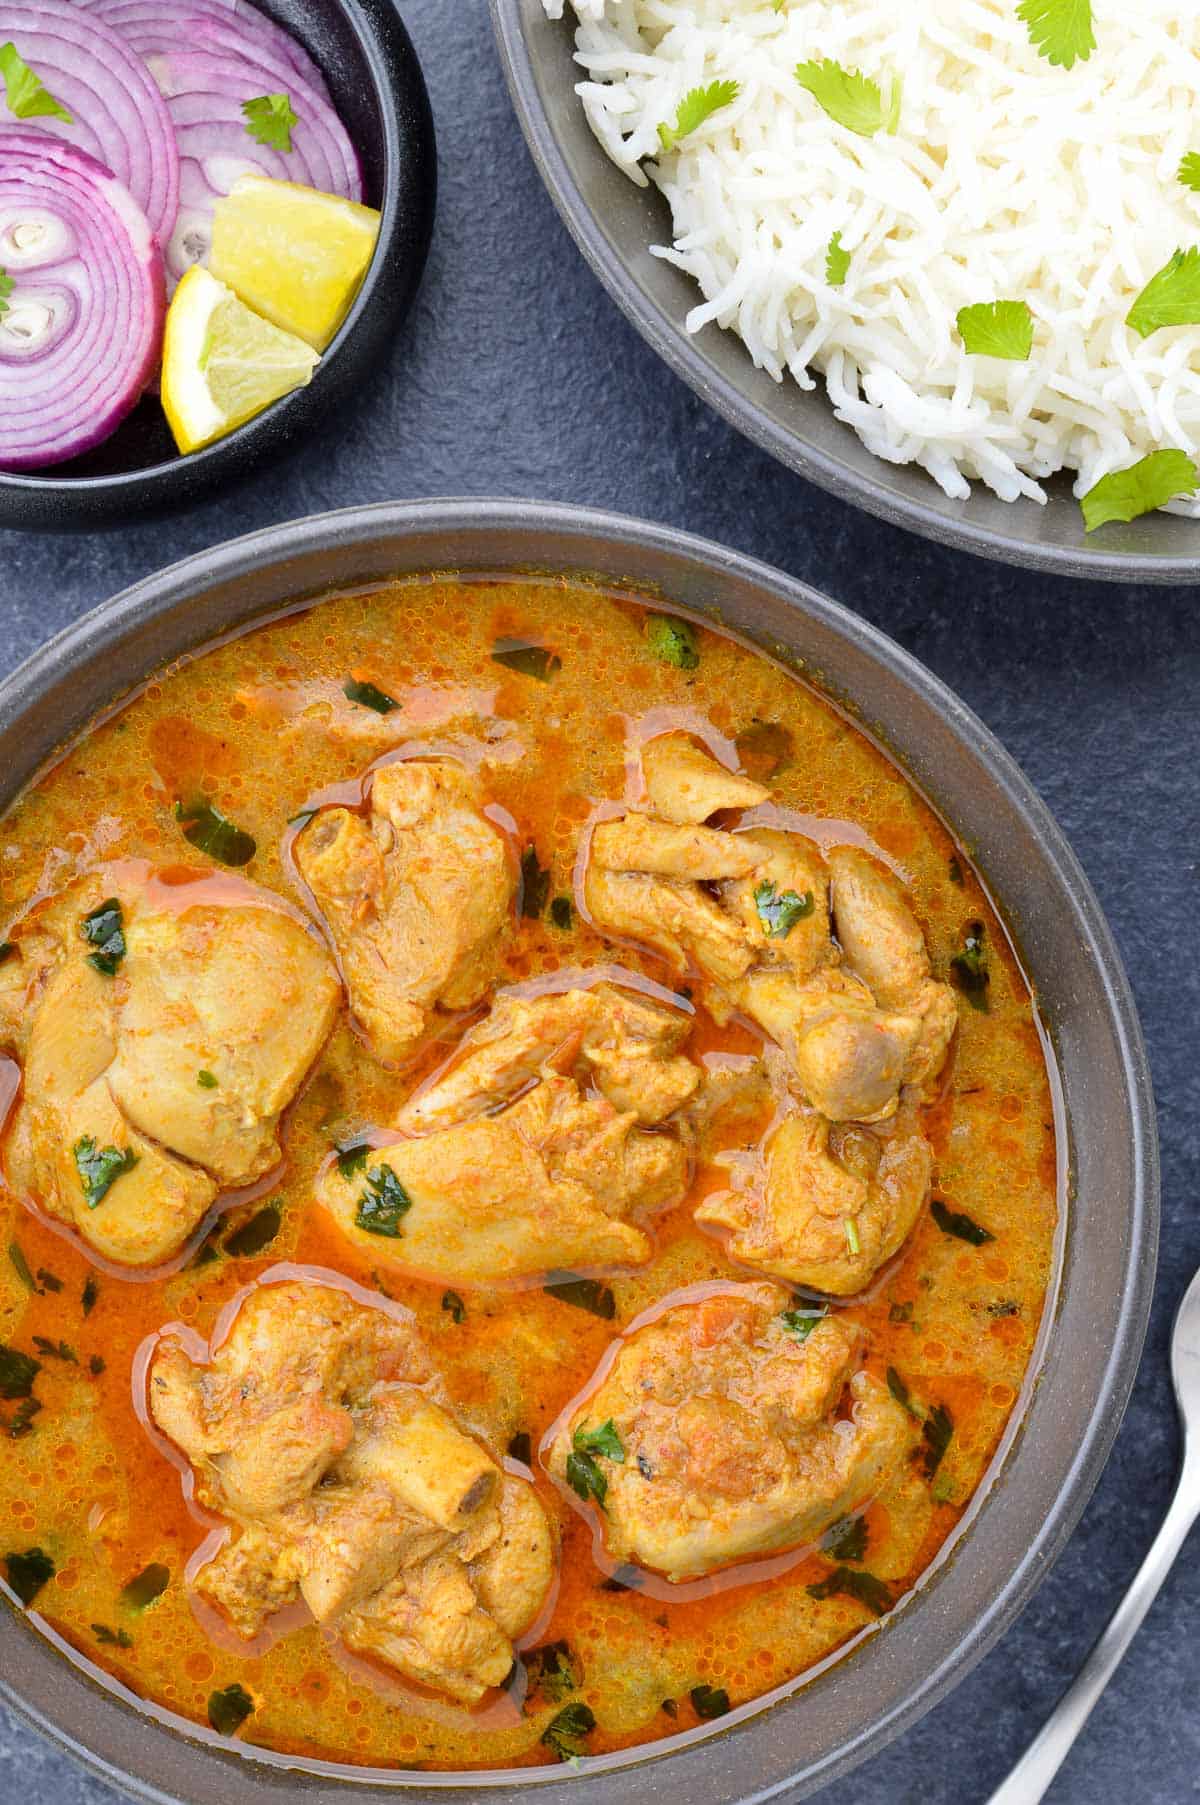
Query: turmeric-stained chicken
{"points": [[317, 1432], [730, 1427], [858, 1017], [547, 1143], [417, 893], [163, 1021], [831, 1203]]}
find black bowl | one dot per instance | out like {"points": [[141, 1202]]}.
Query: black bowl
{"points": [[368, 60], [1099, 1300]]}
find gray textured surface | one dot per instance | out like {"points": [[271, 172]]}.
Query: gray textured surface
{"points": [[517, 376]]}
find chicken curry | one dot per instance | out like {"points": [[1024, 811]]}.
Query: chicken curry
{"points": [[530, 1181]]}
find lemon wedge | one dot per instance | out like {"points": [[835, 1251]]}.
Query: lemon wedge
{"points": [[222, 364], [295, 255]]}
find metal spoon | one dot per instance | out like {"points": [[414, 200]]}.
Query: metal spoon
{"points": [[1033, 1773]]}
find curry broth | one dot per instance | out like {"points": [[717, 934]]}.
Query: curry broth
{"points": [[260, 726]]}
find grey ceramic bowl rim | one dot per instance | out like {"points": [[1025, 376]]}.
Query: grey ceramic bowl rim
{"points": [[547, 535], [673, 344]]}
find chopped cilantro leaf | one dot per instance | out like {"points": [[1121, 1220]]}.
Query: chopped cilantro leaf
{"points": [[565, 1733], [520, 1447], [382, 1204], [367, 695], [55, 1350], [28, 1572], [585, 1478], [696, 106], [145, 1587], [527, 659], [1150, 483], [1059, 30], [801, 1323], [954, 1222], [938, 1429], [605, 1440], [847, 1539], [88, 1296], [969, 968], [1189, 171], [1170, 298], [585, 1294], [672, 641], [997, 329], [254, 1235], [206, 1080], [352, 1157], [562, 914], [535, 884], [104, 929], [709, 1701], [551, 1670], [100, 1167], [229, 1708], [17, 1373], [779, 911], [28, 97], [454, 1307], [849, 97], [837, 262], [207, 829], [864, 1587], [21, 1266], [269, 120], [108, 1638]]}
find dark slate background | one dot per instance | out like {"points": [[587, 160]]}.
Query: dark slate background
{"points": [[517, 376]]}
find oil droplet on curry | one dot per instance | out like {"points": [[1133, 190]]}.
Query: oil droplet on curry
{"points": [[530, 1181]]}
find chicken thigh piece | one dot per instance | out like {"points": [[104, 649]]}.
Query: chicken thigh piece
{"points": [[562, 1171], [417, 893], [857, 1018], [316, 1430], [547, 1183], [823, 1215], [718, 1434], [163, 1024]]}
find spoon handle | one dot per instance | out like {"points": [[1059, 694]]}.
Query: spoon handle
{"points": [[1032, 1775]]}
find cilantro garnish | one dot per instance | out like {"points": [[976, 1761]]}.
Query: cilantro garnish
{"points": [[997, 329], [672, 641], [695, 107], [846, 1540], [800, 1324], [145, 1587], [585, 1478], [969, 968], [100, 1167], [1059, 30], [779, 911], [837, 262], [565, 1732], [28, 1572], [382, 1204], [229, 1708], [864, 1587], [104, 929], [369, 695], [28, 98], [959, 1224], [208, 830], [6, 287], [535, 884], [1150, 483], [1189, 173], [269, 120], [850, 98], [1171, 298], [709, 1701], [604, 1440]]}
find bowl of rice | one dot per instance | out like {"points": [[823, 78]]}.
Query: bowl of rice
{"points": [[942, 260]]}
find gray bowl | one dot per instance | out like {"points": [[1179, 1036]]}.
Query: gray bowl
{"points": [[614, 224], [1094, 1327]]}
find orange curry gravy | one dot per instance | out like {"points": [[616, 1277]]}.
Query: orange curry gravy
{"points": [[261, 727]]}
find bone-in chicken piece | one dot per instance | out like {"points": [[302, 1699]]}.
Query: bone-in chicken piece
{"points": [[684, 783], [156, 1070], [857, 1021], [627, 1045], [417, 894], [316, 1429], [547, 1183], [823, 1215], [732, 1437]]}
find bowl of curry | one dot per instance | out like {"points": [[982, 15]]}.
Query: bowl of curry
{"points": [[579, 1178]]}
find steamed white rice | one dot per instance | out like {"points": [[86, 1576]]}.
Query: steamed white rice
{"points": [[1007, 178]]}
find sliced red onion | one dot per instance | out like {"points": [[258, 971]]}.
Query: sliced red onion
{"points": [[81, 332], [205, 93], [117, 113], [221, 25]]}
